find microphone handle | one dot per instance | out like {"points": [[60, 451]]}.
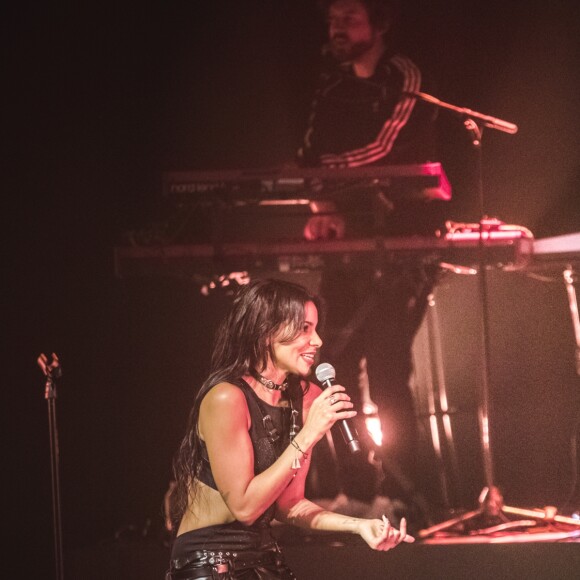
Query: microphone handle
{"points": [[349, 433]]}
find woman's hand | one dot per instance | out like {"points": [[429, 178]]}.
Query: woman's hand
{"points": [[332, 405], [381, 535]]}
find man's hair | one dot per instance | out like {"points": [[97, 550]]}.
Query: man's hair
{"points": [[382, 13]]}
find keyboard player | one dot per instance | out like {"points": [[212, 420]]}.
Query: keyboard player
{"points": [[361, 116]]}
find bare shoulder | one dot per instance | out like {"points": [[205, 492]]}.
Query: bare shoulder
{"points": [[224, 406], [222, 397], [225, 392]]}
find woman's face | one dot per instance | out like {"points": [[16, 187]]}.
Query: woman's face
{"points": [[297, 356]]}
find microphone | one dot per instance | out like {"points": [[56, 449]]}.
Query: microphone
{"points": [[487, 120], [326, 374]]}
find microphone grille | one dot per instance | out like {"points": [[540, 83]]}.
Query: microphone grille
{"points": [[325, 372]]}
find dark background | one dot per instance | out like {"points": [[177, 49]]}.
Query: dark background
{"points": [[103, 98]]}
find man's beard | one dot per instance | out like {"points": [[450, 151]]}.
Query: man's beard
{"points": [[347, 51]]}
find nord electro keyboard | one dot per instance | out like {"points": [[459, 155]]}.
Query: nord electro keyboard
{"points": [[511, 251], [421, 181]]}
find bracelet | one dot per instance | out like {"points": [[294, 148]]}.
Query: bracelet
{"points": [[296, 463], [294, 444]]}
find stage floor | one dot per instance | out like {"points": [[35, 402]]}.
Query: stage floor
{"points": [[337, 557], [446, 562]]}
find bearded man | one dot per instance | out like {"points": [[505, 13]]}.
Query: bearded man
{"points": [[363, 113]]}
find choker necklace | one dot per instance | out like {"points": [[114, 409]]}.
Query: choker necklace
{"points": [[270, 385]]}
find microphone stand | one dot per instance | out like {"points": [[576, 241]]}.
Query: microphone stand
{"points": [[490, 500], [474, 122], [476, 133], [53, 371]]}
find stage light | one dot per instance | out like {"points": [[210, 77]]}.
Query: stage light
{"points": [[373, 425]]}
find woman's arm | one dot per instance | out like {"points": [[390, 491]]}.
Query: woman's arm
{"points": [[378, 534], [294, 508], [224, 421]]}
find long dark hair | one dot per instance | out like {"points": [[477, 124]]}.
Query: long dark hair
{"points": [[242, 343]]}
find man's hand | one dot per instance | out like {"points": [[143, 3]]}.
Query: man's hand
{"points": [[328, 225], [324, 227]]}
